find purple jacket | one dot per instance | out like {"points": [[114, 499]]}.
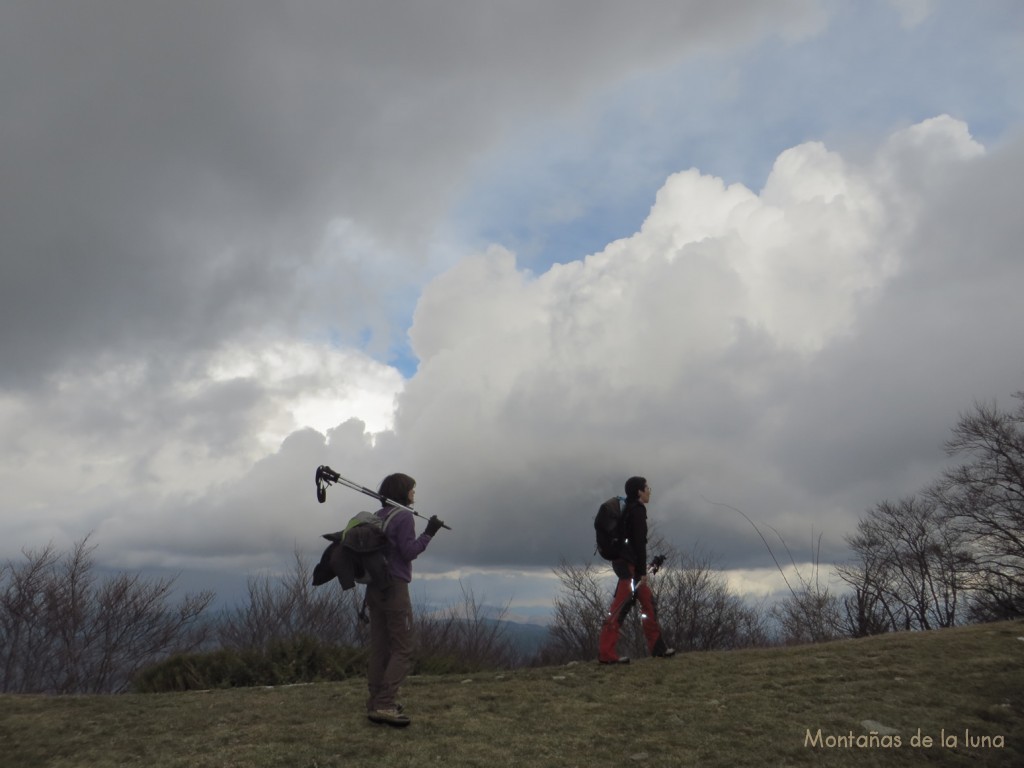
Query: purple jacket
{"points": [[403, 544]]}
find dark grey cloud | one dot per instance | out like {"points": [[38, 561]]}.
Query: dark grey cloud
{"points": [[169, 170]]}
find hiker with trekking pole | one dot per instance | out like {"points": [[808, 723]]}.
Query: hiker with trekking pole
{"points": [[621, 526], [377, 549]]}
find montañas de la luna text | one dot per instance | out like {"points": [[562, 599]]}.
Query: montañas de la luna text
{"points": [[875, 740]]}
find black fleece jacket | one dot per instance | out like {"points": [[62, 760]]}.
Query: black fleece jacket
{"points": [[636, 525]]}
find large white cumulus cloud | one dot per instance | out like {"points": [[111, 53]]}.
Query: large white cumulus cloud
{"points": [[706, 351]]}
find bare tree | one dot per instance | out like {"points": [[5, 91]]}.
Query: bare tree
{"points": [[580, 611], [984, 498], [810, 612], [809, 615], [24, 623], [695, 609], [698, 612], [289, 606], [468, 633], [866, 611], [911, 569], [64, 631]]}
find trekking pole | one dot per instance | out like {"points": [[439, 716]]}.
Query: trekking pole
{"points": [[325, 477], [627, 605], [652, 569]]}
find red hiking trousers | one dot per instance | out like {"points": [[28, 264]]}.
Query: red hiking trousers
{"points": [[617, 613]]}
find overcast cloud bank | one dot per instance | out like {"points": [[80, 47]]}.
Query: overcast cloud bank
{"points": [[785, 352], [216, 234]]}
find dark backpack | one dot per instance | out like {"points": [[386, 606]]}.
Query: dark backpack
{"points": [[358, 554], [610, 526]]}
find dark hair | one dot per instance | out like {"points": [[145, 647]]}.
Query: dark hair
{"points": [[634, 486], [397, 487]]}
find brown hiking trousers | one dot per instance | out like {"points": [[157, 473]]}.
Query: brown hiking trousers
{"points": [[390, 642]]}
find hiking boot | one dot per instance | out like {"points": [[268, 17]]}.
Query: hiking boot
{"points": [[389, 717], [620, 660]]}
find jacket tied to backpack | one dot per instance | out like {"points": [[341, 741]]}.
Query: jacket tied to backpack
{"points": [[358, 554]]}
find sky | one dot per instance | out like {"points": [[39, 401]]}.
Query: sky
{"points": [[763, 254]]}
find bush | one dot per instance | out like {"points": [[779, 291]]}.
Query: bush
{"points": [[283, 662], [64, 629]]}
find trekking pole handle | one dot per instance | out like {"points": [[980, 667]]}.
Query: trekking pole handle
{"points": [[652, 569]]}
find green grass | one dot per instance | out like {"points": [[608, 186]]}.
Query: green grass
{"points": [[742, 708]]}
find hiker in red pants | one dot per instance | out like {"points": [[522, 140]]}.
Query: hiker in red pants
{"points": [[631, 568]]}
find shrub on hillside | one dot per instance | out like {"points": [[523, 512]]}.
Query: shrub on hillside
{"points": [[66, 629], [283, 662]]}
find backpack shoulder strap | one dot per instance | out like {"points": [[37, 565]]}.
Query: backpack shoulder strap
{"points": [[389, 517]]}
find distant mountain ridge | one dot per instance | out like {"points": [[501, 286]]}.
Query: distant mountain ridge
{"points": [[527, 638]]}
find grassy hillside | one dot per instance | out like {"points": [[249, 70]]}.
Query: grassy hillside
{"points": [[749, 708]]}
